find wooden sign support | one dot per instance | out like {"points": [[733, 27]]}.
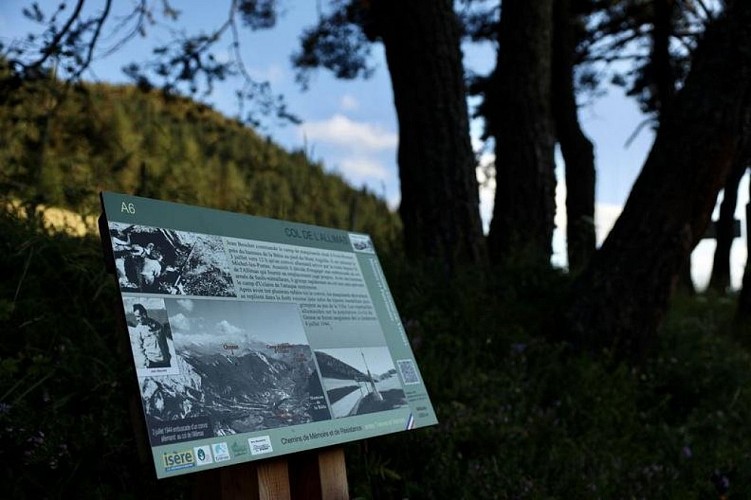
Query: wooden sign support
{"points": [[311, 475]]}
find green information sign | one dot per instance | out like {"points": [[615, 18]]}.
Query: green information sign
{"points": [[254, 337]]}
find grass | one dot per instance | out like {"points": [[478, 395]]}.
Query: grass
{"points": [[521, 415]]}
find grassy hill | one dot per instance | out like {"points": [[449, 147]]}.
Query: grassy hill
{"points": [[60, 146]]}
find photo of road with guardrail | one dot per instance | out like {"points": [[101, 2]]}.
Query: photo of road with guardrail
{"points": [[360, 380]]}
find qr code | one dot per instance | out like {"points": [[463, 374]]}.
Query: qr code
{"points": [[408, 371]]}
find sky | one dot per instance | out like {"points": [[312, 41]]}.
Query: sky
{"points": [[351, 127], [219, 322], [376, 359]]}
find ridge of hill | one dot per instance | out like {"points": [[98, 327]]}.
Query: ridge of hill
{"points": [[60, 146]]}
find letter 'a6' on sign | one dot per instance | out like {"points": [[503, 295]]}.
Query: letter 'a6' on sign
{"points": [[241, 334]]}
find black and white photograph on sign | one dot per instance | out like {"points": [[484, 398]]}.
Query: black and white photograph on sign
{"points": [[360, 380], [156, 260], [246, 366], [150, 336], [361, 243]]}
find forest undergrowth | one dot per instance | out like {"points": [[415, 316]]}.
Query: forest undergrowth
{"points": [[521, 414]]}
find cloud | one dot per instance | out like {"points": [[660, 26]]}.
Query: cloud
{"points": [[605, 217], [605, 214], [560, 203], [363, 167], [487, 195], [224, 327], [208, 340], [343, 131], [702, 258], [186, 304], [180, 322]]}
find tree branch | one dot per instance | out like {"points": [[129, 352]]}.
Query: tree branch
{"points": [[50, 48], [94, 39]]}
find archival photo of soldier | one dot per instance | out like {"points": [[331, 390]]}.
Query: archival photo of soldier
{"points": [[150, 336], [360, 380], [156, 260]]}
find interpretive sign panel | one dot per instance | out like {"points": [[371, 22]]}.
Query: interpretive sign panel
{"points": [[255, 337]]}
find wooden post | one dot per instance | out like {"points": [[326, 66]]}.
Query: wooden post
{"points": [[319, 475], [273, 480], [333, 473], [310, 475], [266, 480]]}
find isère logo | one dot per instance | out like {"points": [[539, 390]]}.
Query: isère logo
{"points": [[175, 460]]}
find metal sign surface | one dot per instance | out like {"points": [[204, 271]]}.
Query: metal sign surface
{"points": [[255, 337]]}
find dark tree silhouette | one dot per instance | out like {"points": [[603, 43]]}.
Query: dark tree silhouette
{"points": [[440, 199], [620, 299], [520, 119], [657, 38], [719, 280], [576, 148], [743, 311]]}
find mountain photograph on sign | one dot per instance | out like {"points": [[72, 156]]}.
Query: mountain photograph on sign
{"points": [[245, 366], [360, 380]]}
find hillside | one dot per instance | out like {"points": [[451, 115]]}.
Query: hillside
{"points": [[61, 146]]}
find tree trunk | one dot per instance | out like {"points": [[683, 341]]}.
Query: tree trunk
{"points": [[663, 76], [519, 105], [620, 299], [577, 149], [743, 313], [661, 62], [720, 278], [685, 282], [440, 199]]}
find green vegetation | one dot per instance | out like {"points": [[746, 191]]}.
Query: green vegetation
{"points": [[521, 415], [62, 145], [65, 390]]}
